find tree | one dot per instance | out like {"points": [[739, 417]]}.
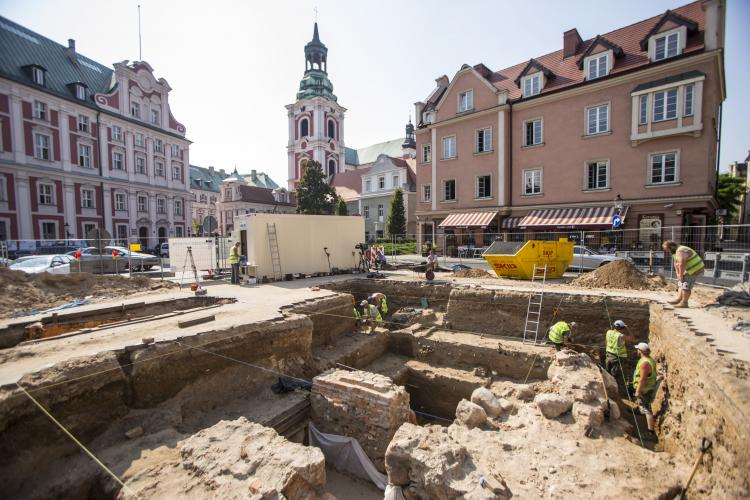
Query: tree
{"points": [[397, 216], [729, 194], [341, 207], [314, 195]]}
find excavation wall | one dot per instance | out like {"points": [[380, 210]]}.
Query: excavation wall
{"points": [[331, 316], [399, 293]]}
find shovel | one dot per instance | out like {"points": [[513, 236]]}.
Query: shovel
{"points": [[705, 446]]}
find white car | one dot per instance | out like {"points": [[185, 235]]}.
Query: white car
{"points": [[586, 259], [55, 264]]}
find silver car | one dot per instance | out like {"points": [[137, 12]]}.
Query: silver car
{"points": [[586, 259], [140, 261]]}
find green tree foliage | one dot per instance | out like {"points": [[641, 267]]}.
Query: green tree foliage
{"points": [[729, 195], [314, 195], [397, 218], [341, 207]]}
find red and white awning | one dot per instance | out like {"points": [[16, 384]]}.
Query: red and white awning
{"points": [[569, 217], [510, 222], [469, 219]]}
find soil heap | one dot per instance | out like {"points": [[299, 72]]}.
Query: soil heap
{"points": [[472, 273], [20, 291], [621, 274]]}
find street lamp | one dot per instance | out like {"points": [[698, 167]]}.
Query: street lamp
{"points": [[67, 230]]}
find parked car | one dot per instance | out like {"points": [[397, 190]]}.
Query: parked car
{"points": [[164, 250], [140, 261], [55, 264], [586, 259]]}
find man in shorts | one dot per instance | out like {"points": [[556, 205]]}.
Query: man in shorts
{"points": [[687, 265]]}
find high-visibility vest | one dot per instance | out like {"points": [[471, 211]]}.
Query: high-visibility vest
{"points": [[613, 344], [372, 312], [384, 305], [234, 256], [356, 314], [557, 332], [650, 383], [694, 262]]}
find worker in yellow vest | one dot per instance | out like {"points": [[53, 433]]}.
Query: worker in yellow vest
{"points": [[617, 352], [234, 261], [559, 334], [371, 314], [380, 301], [687, 265], [644, 383]]}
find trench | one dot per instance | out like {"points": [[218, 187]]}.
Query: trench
{"points": [[465, 338]]}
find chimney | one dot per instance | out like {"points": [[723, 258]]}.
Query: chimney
{"points": [[221, 172], [713, 36], [442, 81], [70, 52], [254, 175], [418, 108], [571, 41], [211, 169]]}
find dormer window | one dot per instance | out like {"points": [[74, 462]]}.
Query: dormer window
{"points": [[154, 117], [532, 84], [427, 118], [37, 75], [666, 46], [466, 101], [135, 110], [80, 92], [598, 66]]}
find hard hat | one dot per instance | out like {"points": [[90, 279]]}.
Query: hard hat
{"points": [[643, 347], [619, 324], [363, 303], [572, 324]]}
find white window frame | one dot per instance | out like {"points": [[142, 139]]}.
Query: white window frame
{"points": [[37, 75], [161, 206], [597, 187], [178, 207], [381, 182], [140, 161], [366, 211], [666, 36], [663, 155], [594, 66], [121, 162], [487, 187], [396, 180], [665, 116], [688, 108], [426, 193], [116, 133], [443, 197], [486, 143], [121, 203], [87, 198], [84, 155], [447, 140], [381, 210], [40, 111], [643, 109], [42, 151], [139, 139], [41, 229], [135, 109], [532, 84], [142, 207], [83, 123], [426, 153], [175, 150], [466, 101], [158, 146], [159, 169], [530, 172], [155, 116], [176, 172], [42, 194], [534, 131], [368, 185], [80, 92], [597, 108], [88, 227], [3, 188]]}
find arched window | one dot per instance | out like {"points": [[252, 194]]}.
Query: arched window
{"points": [[304, 127], [331, 129], [331, 167]]}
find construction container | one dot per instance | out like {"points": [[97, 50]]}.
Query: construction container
{"points": [[512, 259]]}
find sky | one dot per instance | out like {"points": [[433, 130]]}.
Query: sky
{"points": [[233, 66]]}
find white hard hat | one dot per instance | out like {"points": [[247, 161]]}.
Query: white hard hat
{"points": [[572, 324], [363, 303], [619, 324], [643, 347]]}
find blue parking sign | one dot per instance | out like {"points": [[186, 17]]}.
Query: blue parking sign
{"points": [[616, 221]]}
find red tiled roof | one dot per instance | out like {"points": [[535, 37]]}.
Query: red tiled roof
{"points": [[348, 184], [566, 71], [253, 194]]}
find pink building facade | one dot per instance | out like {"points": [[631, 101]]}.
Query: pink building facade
{"points": [[626, 122]]}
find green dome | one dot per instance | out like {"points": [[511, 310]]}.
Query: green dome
{"points": [[315, 83]]}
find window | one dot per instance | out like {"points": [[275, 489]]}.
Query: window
{"points": [[368, 185], [87, 198], [366, 211], [213, 199], [381, 182], [396, 181], [140, 165], [643, 112], [122, 233], [159, 169], [80, 92], [665, 105], [154, 117], [484, 140], [41, 147], [228, 194], [46, 194], [138, 139], [116, 133], [118, 160], [597, 118], [532, 85], [84, 155], [178, 231], [666, 46], [37, 75], [689, 92], [3, 191], [331, 167], [142, 204], [176, 172], [49, 230], [427, 117], [532, 181], [663, 168], [175, 150], [331, 129], [158, 146], [304, 127], [449, 190], [533, 132], [598, 67], [466, 101], [427, 192], [88, 227], [120, 202], [83, 123], [135, 110], [449, 147], [381, 210], [177, 207], [161, 206], [426, 153], [484, 186], [40, 110], [597, 175]]}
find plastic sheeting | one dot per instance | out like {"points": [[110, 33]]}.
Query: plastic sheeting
{"points": [[346, 454]]}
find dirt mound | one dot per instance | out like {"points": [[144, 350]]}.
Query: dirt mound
{"points": [[621, 274], [26, 292], [472, 273]]}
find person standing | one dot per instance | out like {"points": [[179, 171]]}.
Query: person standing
{"points": [[234, 261], [644, 383], [617, 353], [687, 265], [559, 334]]}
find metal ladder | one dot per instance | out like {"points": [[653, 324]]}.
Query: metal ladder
{"points": [[534, 308], [273, 245]]}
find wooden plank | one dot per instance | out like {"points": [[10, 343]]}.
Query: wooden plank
{"points": [[195, 321]]}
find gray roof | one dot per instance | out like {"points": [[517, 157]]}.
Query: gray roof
{"points": [[22, 47], [261, 180], [668, 80], [205, 179], [369, 154]]}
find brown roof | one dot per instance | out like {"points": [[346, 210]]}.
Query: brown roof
{"points": [[253, 194], [348, 184], [565, 71]]}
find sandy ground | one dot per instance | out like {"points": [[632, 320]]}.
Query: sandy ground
{"points": [[345, 487]]}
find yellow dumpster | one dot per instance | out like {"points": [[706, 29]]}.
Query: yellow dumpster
{"points": [[517, 259]]}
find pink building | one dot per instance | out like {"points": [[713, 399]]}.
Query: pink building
{"points": [[626, 121]]}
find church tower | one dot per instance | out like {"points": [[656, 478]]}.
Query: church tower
{"points": [[316, 120]]}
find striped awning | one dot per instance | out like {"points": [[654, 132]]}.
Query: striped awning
{"points": [[510, 222], [469, 219], [570, 217]]}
